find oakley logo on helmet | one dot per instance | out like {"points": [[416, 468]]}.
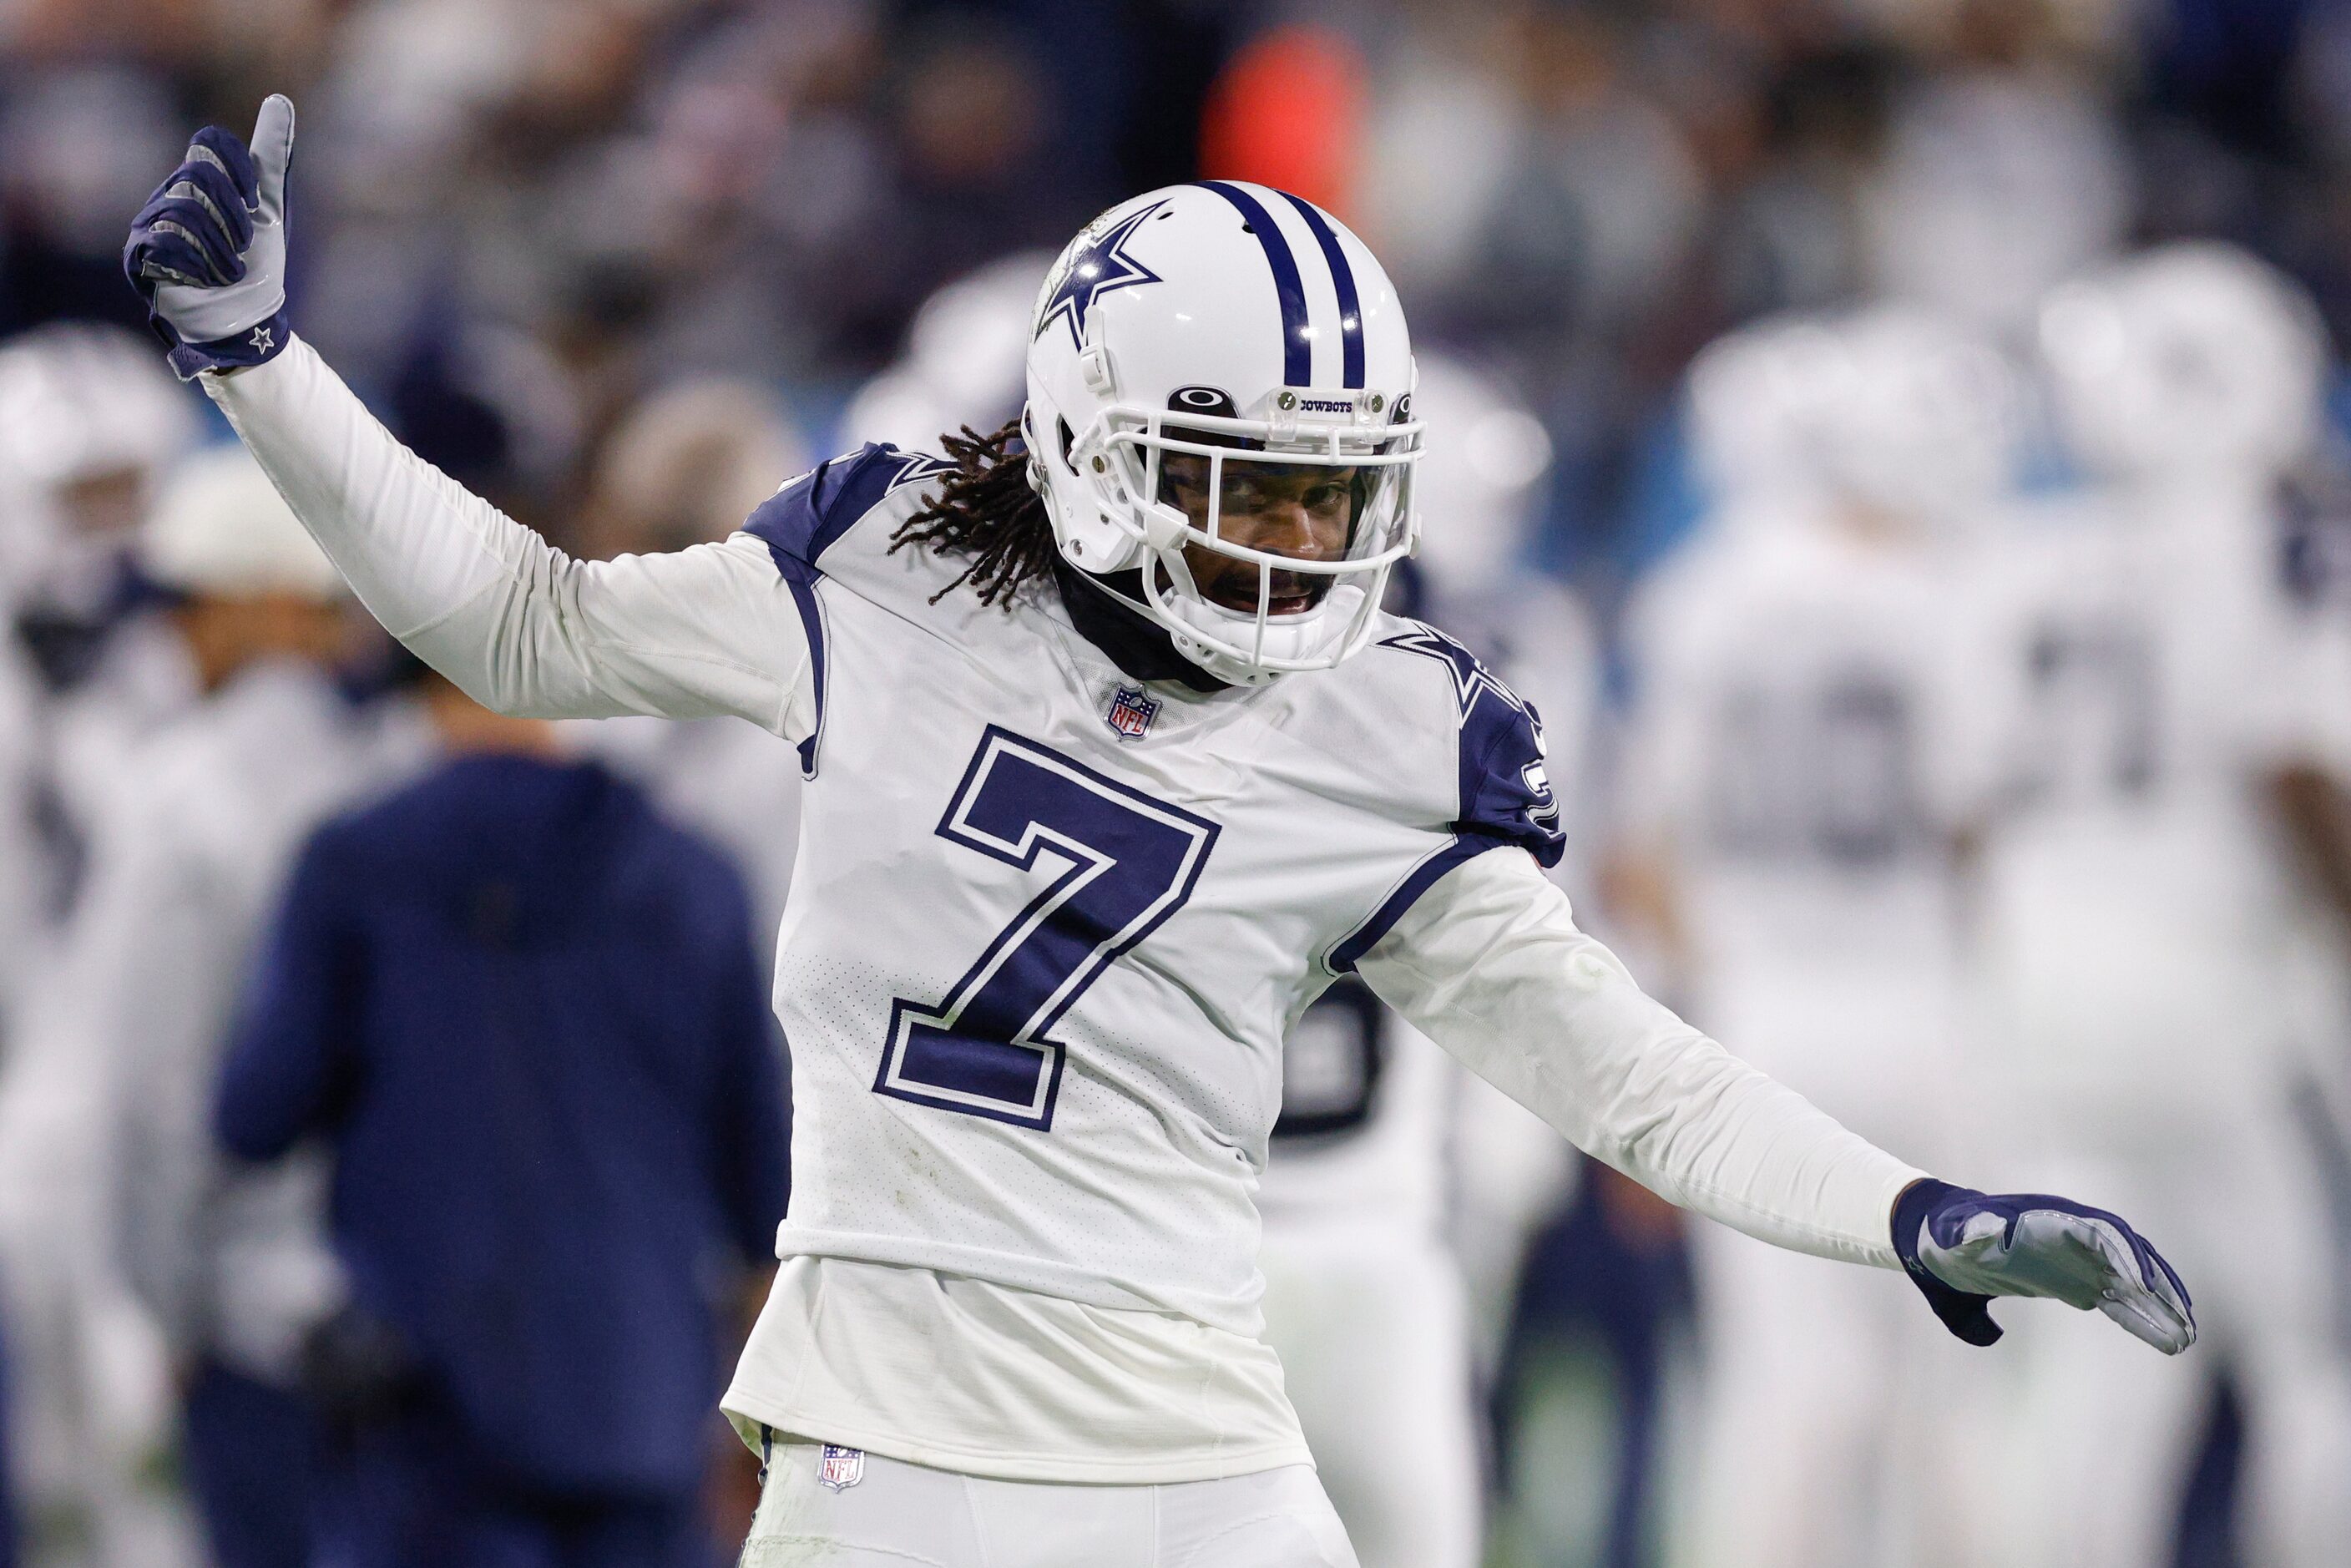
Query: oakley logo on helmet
{"points": [[1204, 400]]}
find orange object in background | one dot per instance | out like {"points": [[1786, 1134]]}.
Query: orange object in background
{"points": [[1287, 111]]}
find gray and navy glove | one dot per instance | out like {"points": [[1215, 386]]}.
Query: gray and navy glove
{"points": [[1961, 1247], [208, 250]]}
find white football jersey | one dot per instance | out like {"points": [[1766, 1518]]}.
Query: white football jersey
{"points": [[2136, 898], [1798, 743], [1051, 1058]]}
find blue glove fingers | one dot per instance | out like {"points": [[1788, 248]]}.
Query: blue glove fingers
{"points": [[223, 147], [207, 184], [169, 247], [182, 233], [165, 256]]}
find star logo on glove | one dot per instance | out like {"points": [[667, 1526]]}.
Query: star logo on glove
{"points": [[261, 340]]}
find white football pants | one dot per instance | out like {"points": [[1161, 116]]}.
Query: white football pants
{"points": [[2096, 1432], [894, 1514], [1374, 1337]]}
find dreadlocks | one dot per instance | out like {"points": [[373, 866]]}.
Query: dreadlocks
{"points": [[986, 511]]}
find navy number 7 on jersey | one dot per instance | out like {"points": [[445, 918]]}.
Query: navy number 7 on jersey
{"points": [[1118, 864]]}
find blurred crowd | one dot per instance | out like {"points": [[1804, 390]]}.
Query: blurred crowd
{"points": [[1898, 444]]}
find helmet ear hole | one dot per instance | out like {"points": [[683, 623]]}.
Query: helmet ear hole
{"points": [[1068, 438]]}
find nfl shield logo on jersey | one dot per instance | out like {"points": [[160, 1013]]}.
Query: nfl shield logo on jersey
{"points": [[1131, 712], [840, 1468]]}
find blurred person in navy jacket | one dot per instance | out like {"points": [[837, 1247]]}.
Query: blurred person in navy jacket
{"points": [[524, 1013]]}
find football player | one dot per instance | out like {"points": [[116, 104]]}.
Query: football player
{"points": [[232, 1264], [88, 426], [2137, 904], [1115, 763], [1796, 733]]}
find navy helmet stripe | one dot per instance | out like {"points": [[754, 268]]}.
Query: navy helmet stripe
{"points": [[1296, 347], [1351, 309]]}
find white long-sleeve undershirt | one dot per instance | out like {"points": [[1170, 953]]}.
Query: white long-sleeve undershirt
{"points": [[513, 621], [1490, 964]]}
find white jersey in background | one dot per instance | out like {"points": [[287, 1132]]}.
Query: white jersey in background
{"points": [[233, 1263], [1796, 747], [2155, 676], [2141, 934], [2140, 929], [1798, 763], [1000, 821]]}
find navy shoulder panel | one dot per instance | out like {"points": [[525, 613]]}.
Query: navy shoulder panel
{"points": [[1506, 791], [808, 517]]}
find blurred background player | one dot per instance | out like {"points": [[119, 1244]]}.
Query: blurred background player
{"points": [[1790, 806], [88, 430], [1392, 1170], [183, 875], [2139, 904], [525, 1017]]}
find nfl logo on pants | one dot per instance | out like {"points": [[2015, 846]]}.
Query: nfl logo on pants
{"points": [[840, 1468]]}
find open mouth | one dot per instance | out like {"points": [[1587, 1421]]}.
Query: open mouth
{"points": [[1239, 595]]}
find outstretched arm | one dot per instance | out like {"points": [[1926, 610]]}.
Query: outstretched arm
{"points": [[1489, 962], [514, 622], [517, 625]]}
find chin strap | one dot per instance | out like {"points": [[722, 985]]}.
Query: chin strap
{"points": [[1102, 610]]}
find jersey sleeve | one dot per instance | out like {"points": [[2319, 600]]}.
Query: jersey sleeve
{"points": [[1506, 789], [1490, 964], [516, 623]]}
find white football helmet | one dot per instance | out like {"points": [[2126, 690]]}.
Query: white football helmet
{"points": [[1753, 403], [1203, 358], [222, 530], [1917, 416], [2195, 359], [78, 401]]}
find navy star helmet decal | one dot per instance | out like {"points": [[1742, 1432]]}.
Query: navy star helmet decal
{"points": [[1099, 267]]}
